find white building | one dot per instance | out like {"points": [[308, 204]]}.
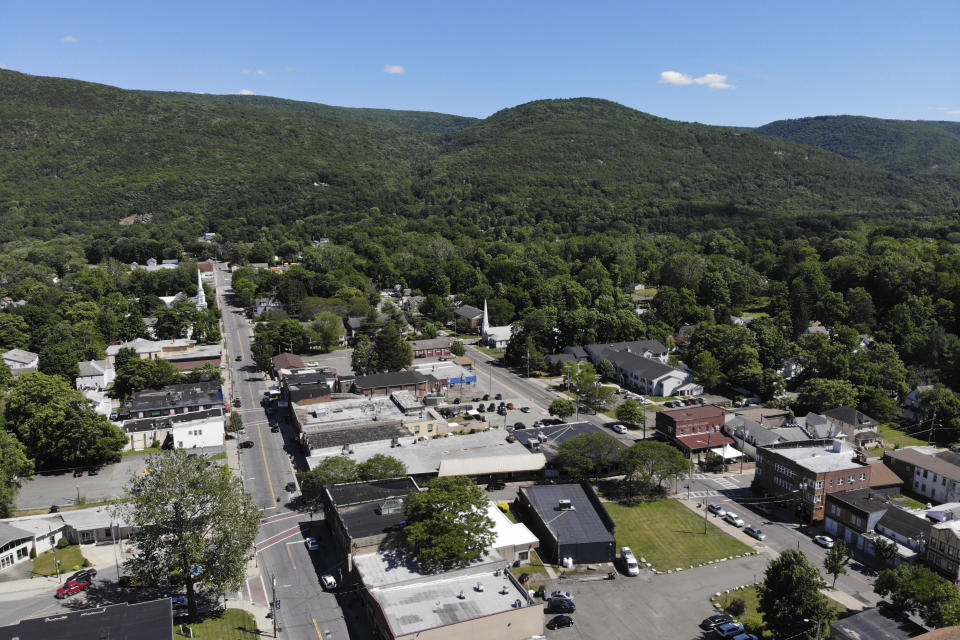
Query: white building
{"points": [[21, 361], [494, 337], [96, 375], [186, 430]]}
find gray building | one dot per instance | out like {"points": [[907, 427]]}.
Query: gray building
{"points": [[570, 521]]}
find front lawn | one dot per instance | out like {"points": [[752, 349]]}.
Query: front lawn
{"points": [[893, 437], [669, 535], [70, 560], [234, 624]]}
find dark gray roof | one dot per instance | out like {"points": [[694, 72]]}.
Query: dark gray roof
{"points": [[582, 524], [355, 435], [143, 620], [753, 432], [9, 533], [357, 492], [176, 395], [645, 367], [163, 422], [865, 501], [555, 435], [637, 347], [389, 379], [851, 416], [466, 311], [559, 358], [363, 520], [577, 352], [306, 377], [907, 524], [871, 624], [355, 322]]}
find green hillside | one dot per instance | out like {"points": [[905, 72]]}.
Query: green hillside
{"points": [[76, 153], [911, 148]]}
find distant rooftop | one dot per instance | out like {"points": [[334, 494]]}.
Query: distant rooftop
{"points": [[351, 412], [820, 457], [151, 620]]}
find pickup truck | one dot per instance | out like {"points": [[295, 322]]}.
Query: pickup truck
{"points": [[73, 586]]}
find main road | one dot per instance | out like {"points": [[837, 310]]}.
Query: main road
{"points": [[285, 570]]}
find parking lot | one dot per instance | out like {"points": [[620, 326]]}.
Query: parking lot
{"points": [[666, 606]]}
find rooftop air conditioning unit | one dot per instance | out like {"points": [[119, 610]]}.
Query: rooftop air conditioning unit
{"points": [[565, 505]]}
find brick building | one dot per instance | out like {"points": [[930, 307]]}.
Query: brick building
{"points": [[808, 471], [694, 430]]}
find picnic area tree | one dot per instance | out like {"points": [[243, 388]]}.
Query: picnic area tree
{"points": [[836, 560], [192, 523], [14, 465], [379, 466], [917, 589], [447, 525], [57, 425], [790, 593], [563, 408]]}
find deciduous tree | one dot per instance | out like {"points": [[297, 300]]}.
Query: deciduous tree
{"points": [[15, 466], [380, 466], [563, 408], [790, 593], [836, 560], [191, 523]]}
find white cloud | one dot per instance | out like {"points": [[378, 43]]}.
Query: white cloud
{"points": [[2, 66], [715, 81], [245, 92], [675, 77], [949, 111], [68, 39], [394, 69], [261, 72], [245, 71]]}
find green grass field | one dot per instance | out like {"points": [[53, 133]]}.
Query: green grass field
{"points": [[234, 624], [909, 502], [70, 560], [669, 535], [753, 619], [895, 438], [141, 452]]}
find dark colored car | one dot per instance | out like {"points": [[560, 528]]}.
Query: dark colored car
{"points": [[92, 471], [496, 485], [499, 396], [560, 605], [486, 397], [236, 402], [291, 486], [238, 358], [560, 622], [715, 621], [481, 408], [55, 508], [519, 425], [274, 428], [83, 574], [491, 407], [246, 444]]}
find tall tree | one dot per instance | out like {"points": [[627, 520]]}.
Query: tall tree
{"points": [[333, 470], [836, 560], [393, 352], [885, 550], [917, 589], [379, 466], [632, 412], [589, 455], [363, 360], [447, 525], [327, 330], [563, 408], [15, 466], [191, 523], [790, 593]]}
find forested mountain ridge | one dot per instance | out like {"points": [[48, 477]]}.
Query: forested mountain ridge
{"points": [[78, 156], [910, 148]]}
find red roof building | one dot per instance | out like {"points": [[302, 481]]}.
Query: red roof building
{"points": [[694, 430]]}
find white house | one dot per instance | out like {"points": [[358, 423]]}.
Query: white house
{"points": [[186, 430], [652, 377], [21, 361], [96, 375], [494, 337]]}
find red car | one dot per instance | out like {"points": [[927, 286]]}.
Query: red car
{"points": [[72, 587]]}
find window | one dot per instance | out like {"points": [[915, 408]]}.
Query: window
{"points": [[22, 553], [831, 482], [924, 473], [523, 555], [819, 484], [852, 479], [429, 427], [863, 476], [840, 481]]}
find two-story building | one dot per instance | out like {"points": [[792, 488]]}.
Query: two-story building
{"points": [[807, 471], [943, 549], [857, 517], [173, 400], [694, 430], [927, 471], [21, 361]]}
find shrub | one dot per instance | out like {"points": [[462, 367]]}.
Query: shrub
{"points": [[63, 543], [86, 563], [737, 606], [33, 553]]}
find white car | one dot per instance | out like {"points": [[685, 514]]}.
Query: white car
{"points": [[312, 544], [630, 561], [824, 541], [618, 428], [733, 519], [328, 581], [566, 595], [644, 400]]}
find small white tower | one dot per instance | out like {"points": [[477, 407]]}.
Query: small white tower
{"points": [[201, 296]]}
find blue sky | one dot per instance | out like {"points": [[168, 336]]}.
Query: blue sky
{"points": [[733, 63]]}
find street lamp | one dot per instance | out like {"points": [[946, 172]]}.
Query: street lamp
{"points": [[808, 620]]}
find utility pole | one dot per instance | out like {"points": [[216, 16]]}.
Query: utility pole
{"points": [[933, 421], [56, 563], [273, 604], [705, 516], [115, 558], [528, 359]]}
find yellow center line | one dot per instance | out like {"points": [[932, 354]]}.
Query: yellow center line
{"points": [[317, 627], [290, 553]]}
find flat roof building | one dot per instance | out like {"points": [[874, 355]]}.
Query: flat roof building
{"points": [[570, 521], [151, 620], [331, 428], [383, 384], [174, 399]]}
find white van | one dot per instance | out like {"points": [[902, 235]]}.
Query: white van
{"points": [[630, 561]]}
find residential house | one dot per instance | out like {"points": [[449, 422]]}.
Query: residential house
{"points": [[404, 601], [741, 321], [572, 524], [173, 400], [914, 408], [859, 427], [943, 549], [652, 377], [857, 517], [411, 304], [432, 348], [694, 430], [267, 303], [790, 367], [21, 361], [816, 327], [287, 361], [470, 316], [652, 349], [95, 374], [927, 471], [807, 471], [383, 384]]}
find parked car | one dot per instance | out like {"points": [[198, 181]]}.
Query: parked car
{"points": [[618, 428], [328, 581], [729, 630], [717, 510], [745, 636], [715, 621], [509, 405], [238, 358], [291, 487], [179, 603], [71, 587], [312, 544], [519, 425], [486, 397], [754, 532], [496, 485], [560, 622], [481, 408], [246, 444], [502, 411], [491, 407], [274, 428], [733, 519], [630, 561], [83, 574], [566, 595], [236, 402], [824, 541], [561, 605], [499, 396], [525, 409]]}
